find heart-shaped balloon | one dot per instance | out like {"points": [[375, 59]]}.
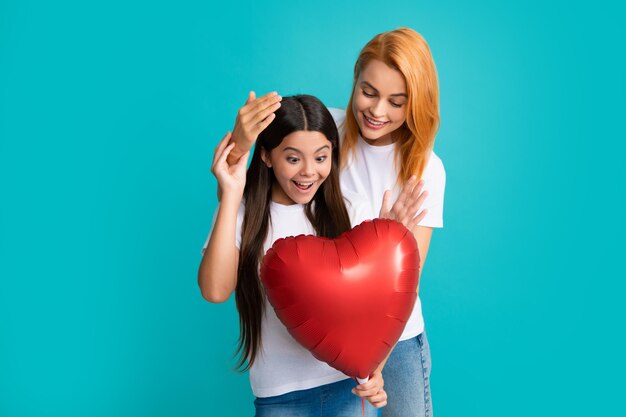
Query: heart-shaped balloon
{"points": [[347, 300]]}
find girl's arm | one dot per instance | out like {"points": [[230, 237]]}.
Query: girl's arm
{"points": [[217, 275]]}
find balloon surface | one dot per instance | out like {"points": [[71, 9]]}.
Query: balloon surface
{"points": [[347, 300]]}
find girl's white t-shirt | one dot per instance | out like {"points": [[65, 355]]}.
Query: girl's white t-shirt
{"points": [[370, 171], [282, 364]]}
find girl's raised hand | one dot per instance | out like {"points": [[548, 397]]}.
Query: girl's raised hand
{"points": [[230, 177], [372, 390], [405, 208], [251, 120]]}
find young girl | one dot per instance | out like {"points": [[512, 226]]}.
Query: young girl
{"points": [[291, 188], [387, 133]]}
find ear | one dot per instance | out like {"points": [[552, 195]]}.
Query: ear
{"points": [[265, 157]]}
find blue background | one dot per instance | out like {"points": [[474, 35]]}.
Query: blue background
{"points": [[109, 112]]}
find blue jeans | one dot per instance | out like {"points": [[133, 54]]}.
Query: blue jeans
{"points": [[407, 379], [330, 400]]}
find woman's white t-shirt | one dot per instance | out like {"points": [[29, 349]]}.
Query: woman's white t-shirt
{"points": [[282, 364], [370, 171]]}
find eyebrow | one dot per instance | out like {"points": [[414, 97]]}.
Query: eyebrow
{"points": [[289, 148], [375, 89]]}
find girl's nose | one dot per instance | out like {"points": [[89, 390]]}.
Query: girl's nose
{"points": [[307, 169]]}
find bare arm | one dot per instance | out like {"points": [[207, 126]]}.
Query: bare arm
{"points": [[422, 236], [217, 275], [404, 210]]}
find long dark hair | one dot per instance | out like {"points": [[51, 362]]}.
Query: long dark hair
{"points": [[326, 211]]}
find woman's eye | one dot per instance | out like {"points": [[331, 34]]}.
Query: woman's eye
{"points": [[366, 94], [395, 104], [292, 160], [321, 158]]}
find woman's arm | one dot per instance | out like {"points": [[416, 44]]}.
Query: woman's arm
{"points": [[373, 390], [217, 275], [422, 236]]}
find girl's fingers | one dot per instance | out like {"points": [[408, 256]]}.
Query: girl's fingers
{"points": [[260, 114], [243, 160], [219, 149], [249, 110], [367, 389], [379, 399], [264, 124], [221, 160], [365, 394], [251, 97], [223, 142]]}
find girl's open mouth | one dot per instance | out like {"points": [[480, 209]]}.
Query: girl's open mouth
{"points": [[304, 186]]}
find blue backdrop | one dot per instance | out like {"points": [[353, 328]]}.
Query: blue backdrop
{"points": [[109, 113]]}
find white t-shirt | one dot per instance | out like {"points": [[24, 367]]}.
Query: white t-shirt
{"points": [[282, 364], [371, 171]]}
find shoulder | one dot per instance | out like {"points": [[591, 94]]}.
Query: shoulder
{"points": [[434, 170], [357, 207], [339, 115]]}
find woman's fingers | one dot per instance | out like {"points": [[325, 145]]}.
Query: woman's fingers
{"points": [[413, 209], [385, 207], [417, 219], [406, 191]]}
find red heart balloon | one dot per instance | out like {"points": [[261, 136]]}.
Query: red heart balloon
{"points": [[347, 299]]}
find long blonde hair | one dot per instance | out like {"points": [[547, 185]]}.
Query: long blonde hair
{"points": [[407, 52]]}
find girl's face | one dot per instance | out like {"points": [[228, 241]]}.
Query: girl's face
{"points": [[379, 102], [301, 163]]}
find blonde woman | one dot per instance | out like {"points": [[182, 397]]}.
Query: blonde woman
{"points": [[387, 136], [388, 133]]}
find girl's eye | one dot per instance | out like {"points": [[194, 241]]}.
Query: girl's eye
{"points": [[396, 105], [321, 158], [366, 94], [292, 159]]}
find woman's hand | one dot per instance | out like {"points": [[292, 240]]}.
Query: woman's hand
{"points": [[405, 208], [231, 178], [373, 390], [251, 120]]}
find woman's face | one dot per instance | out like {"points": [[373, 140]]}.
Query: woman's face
{"points": [[379, 102], [301, 163]]}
